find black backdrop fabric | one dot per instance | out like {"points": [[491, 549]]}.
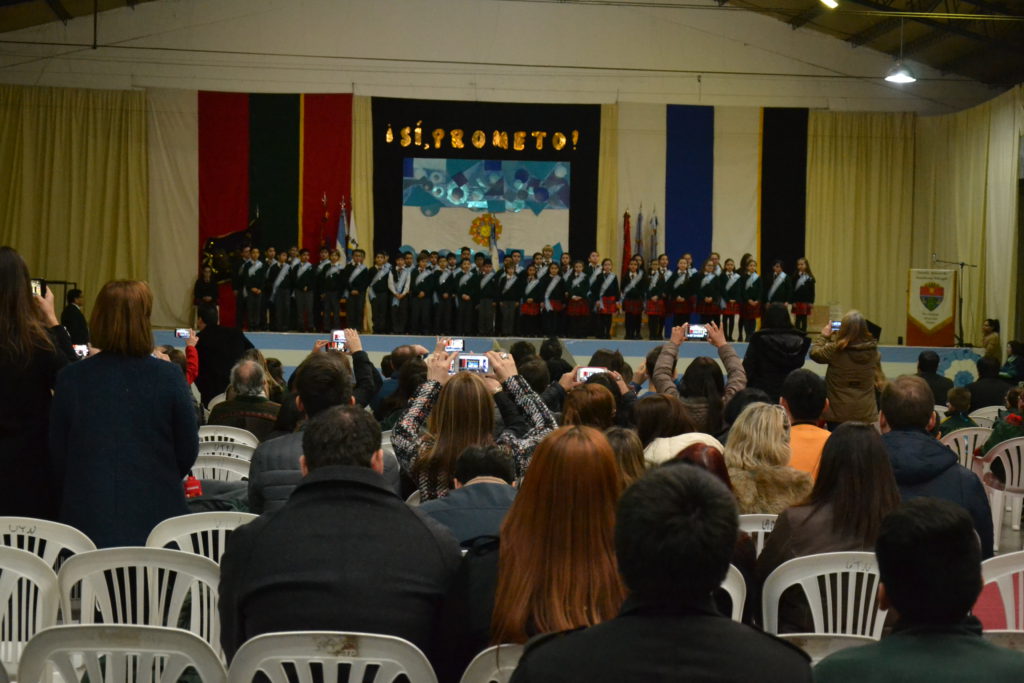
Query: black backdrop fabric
{"points": [[783, 187], [488, 117]]}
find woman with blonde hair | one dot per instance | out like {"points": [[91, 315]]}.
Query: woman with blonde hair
{"points": [[757, 455], [854, 370], [458, 412]]}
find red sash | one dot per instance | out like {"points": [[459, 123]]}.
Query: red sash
{"points": [[529, 308], [633, 306], [609, 304], [656, 307], [731, 308], [579, 307], [802, 308], [751, 312]]}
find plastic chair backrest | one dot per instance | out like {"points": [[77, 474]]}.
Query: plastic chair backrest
{"points": [[145, 587], [985, 417], [201, 533], [220, 468], [735, 585], [964, 441], [1011, 640], [118, 654], [50, 541], [841, 590], [1007, 572], [940, 412], [493, 665], [758, 526], [223, 433], [1011, 454], [287, 657], [234, 450], [219, 398], [28, 602], [821, 645]]}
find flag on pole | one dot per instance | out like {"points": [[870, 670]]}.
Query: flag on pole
{"points": [[639, 248], [627, 254], [654, 234], [341, 241], [350, 232], [324, 217]]}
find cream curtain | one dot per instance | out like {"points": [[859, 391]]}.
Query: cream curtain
{"points": [[73, 183], [362, 170], [173, 149], [860, 174], [608, 182]]}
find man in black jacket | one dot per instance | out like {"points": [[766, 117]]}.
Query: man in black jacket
{"points": [[922, 465], [73, 319], [344, 554], [219, 348], [675, 531], [989, 389], [928, 370]]}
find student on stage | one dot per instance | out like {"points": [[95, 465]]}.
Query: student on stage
{"points": [[305, 286], [206, 291], [679, 286], [465, 290], [731, 296], [532, 298], [444, 292], [517, 260], [435, 260], [779, 291], [478, 261], [578, 312], [634, 291], [379, 292], [355, 280], [510, 290], [750, 307], [554, 292], [709, 294], [605, 293], [255, 281], [273, 269], [716, 258], [486, 298], [421, 296], [548, 254], [332, 283], [565, 265], [320, 290], [666, 272], [803, 293], [657, 291], [238, 285], [399, 283], [593, 267], [281, 292]]}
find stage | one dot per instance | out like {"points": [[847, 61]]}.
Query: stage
{"points": [[291, 347]]}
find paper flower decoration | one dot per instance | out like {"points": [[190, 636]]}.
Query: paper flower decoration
{"points": [[483, 227]]}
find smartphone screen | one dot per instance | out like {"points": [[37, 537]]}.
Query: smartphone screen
{"points": [[697, 332], [455, 345], [336, 345], [583, 374], [182, 333], [337, 335], [81, 350], [38, 287], [474, 363], [836, 324]]}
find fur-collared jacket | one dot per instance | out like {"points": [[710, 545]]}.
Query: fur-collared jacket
{"points": [[769, 490]]}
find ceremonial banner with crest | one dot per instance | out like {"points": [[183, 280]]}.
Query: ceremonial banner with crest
{"points": [[931, 307]]}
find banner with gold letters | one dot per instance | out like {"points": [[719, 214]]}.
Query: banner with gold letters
{"points": [[931, 307]]}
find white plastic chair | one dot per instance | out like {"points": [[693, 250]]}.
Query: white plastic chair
{"points": [[285, 657], [964, 441], [841, 590], [118, 654], [220, 468], [1007, 572], [820, 645], [1011, 640], [49, 541], [1011, 454], [224, 440], [28, 603], [493, 665], [145, 587], [985, 417], [202, 533], [940, 412], [219, 398], [736, 587], [758, 526]]}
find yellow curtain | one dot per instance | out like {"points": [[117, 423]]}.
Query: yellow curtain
{"points": [[608, 181], [362, 170], [73, 189], [860, 174]]}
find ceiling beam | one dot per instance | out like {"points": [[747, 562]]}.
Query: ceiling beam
{"points": [[807, 15], [924, 42], [59, 11]]}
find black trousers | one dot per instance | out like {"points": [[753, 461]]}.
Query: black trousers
{"points": [[801, 324], [466, 323], [579, 326], [552, 323], [239, 309], [399, 315], [729, 324], [529, 325], [604, 326], [355, 307], [485, 317], [655, 327], [419, 314], [379, 309], [748, 327], [508, 318], [444, 323], [633, 324], [253, 308]]}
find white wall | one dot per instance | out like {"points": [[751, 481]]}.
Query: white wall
{"points": [[473, 49]]}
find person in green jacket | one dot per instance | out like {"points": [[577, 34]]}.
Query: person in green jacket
{"points": [[958, 404], [929, 562]]}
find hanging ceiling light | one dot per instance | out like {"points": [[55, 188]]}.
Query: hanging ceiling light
{"points": [[899, 73], [831, 4]]}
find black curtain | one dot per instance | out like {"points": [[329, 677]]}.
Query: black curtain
{"points": [[487, 117], [783, 187]]}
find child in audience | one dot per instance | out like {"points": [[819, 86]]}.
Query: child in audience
{"points": [[958, 403]]}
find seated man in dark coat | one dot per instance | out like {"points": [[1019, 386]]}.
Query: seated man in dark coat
{"points": [[989, 389], [343, 554], [930, 566], [928, 370], [73, 319], [675, 532], [482, 495], [250, 409], [219, 348], [922, 465]]}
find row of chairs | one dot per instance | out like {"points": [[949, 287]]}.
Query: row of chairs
{"points": [[983, 417]]}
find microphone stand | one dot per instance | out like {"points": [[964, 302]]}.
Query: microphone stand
{"points": [[959, 294]]}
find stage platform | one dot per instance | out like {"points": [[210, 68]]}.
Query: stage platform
{"points": [[291, 347]]}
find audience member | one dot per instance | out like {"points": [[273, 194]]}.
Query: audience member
{"points": [[73, 319], [666, 448], [322, 381], [704, 393], [629, 453], [990, 344], [758, 459], [123, 431], [658, 416], [1013, 371], [923, 466], [854, 370], [668, 629], [742, 399], [398, 357], [344, 553], [187, 364], [521, 350], [930, 576], [958, 403], [219, 348], [551, 353], [774, 351], [272, 390], [927, 369], [33, 349], [854, 491], [606, 358], [804, 399], [410, 377], [536, 373], [458, 412], [250, 409], [989, 389], [484, 480], [1009, 426], [624, 397], [590, 405]]}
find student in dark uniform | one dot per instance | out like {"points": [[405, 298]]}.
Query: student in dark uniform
{"points": [[578, 311], [750, 306], [465, 290], [565, 265], [281, 292], [605, 293], [803, 293], [399, 284], [486, 298], [532, 298], [421, 297], [356, 281], [679, 293], [553, 291], [510, 289], [319, 290], [206, 291], [657, 290], [331, 283], [255, 281], [444, 292], [778, 288], [380, 295], [709, 294], [267, 307], [634, 291], [73, 319], [731, 294], [305, 291], [238, 285], [593, 270]]}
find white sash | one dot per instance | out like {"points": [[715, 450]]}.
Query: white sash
{"points": [[801, 281], [707, 279], [547, 294], [730, 281], [255, 266], [530, 285], [381, 272], [576, 280], [654, 280], [509, 281], [779, 279], [634, 278], [281, 275], [402, 285], [465, 278], [485, 279], [356, 272], [593, 275], [681, 279], [609, 278], [751, 279], [443, 277], [303, 268]]}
